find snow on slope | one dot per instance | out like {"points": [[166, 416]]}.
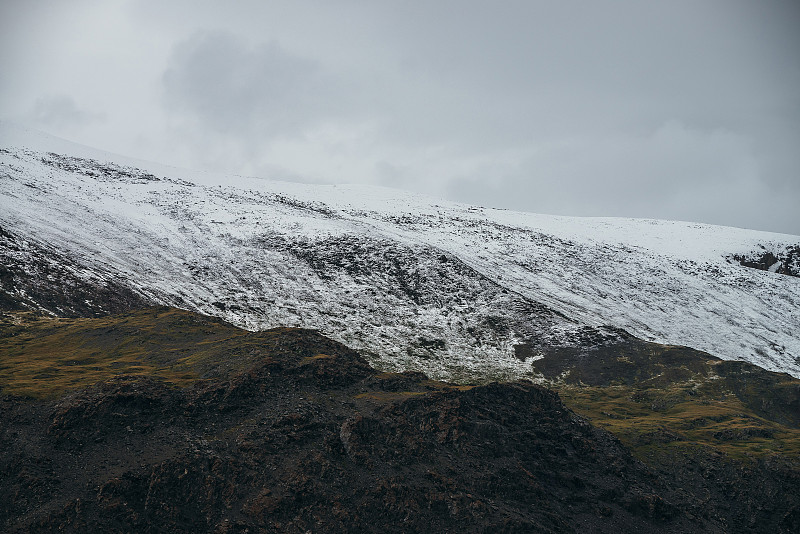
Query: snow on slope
{"points": [[445, 288]]}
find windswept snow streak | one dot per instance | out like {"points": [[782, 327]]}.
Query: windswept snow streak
{"points": [[444, 288]]}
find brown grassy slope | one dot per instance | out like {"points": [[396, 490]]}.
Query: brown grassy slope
{"points": [[658, 397], [44, 357]]}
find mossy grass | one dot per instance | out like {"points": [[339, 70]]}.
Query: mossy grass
{"points": [[45, 357], [683, 417]]}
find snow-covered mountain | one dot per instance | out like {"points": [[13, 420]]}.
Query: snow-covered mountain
{"points": [[449, 289]]}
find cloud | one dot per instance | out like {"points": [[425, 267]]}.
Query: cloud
{"points": [[253, 107], [229, 86], [684, 109], [675, 172], [60, 112]]}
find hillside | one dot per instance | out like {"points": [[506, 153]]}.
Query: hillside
{"points": [[458, 292], [182, 352], [162, 420]]}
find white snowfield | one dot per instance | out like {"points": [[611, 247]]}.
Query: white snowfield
{"points": [[414, 283]]}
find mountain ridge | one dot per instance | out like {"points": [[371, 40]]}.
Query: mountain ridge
{"points": [[447, 289], [164, 420]]}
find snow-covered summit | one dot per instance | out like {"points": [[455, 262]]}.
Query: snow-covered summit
{"points": [[416, 283]]}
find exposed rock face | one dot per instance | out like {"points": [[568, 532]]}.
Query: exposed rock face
{"points": [[305, 436], [786, 261]]}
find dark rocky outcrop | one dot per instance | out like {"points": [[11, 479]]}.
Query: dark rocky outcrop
{"points": [[785, 261], [288, 455], [296, 433]]}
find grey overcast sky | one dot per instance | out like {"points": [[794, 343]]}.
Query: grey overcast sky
{"points": [[673, 109]]}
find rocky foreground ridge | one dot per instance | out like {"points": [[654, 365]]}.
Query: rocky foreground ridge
{"points": [[162, 420]]}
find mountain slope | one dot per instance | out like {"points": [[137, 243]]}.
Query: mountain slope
{"points": [[196, 426], [456, 291]]}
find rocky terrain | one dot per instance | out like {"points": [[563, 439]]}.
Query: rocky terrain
{"points": [[161, 420]]}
